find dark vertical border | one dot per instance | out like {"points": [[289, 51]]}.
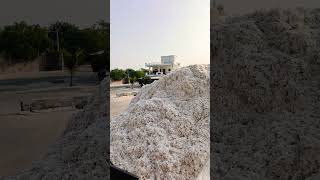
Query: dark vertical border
{"points": [[211, 103], [108, 87]]}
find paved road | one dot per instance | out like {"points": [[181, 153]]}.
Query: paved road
{"points": [[61, 80]]}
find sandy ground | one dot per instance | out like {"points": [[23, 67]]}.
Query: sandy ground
{"points": [[119, 104], [114, 83], [26, 136]]}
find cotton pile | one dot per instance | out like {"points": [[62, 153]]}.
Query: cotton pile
{"points": [[164, 133], [265, 94]]}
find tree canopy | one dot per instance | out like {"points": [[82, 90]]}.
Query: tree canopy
{"points": [[117, 74], [23, 42], [127, 74]]}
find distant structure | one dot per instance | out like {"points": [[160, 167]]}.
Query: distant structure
{"points": [[167, 64]]}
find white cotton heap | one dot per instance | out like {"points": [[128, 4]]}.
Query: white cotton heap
{"points": [[265, 88], [164, 133]]}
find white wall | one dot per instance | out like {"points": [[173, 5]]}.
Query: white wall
{"points": [[167, 59]]}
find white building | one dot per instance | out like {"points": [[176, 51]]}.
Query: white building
{"points": [[167, 64]]}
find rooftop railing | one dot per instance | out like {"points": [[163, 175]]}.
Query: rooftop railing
{"points": [[153, 64], [156, 64]]}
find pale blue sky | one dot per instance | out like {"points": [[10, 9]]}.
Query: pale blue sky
{"points": [[144, 30]]}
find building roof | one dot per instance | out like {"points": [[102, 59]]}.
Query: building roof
{"points": [[153, 64]]}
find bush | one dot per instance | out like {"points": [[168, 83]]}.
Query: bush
{"points": [[117, 74], [139, 74], [127, 76], [145, 80]]}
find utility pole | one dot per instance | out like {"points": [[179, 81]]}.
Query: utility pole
{"points": [[57, 38], [58, 50]]}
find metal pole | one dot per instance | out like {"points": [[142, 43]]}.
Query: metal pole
{"points": [[58, 45], [58, 49], [62, 62]]}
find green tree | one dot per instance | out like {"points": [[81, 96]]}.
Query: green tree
{"points": [[99, 64], [133, 76], [97, 40], [23, 42], [39, 39], [90, 40], [145, 70], [132, 80], [139, 74], [66, 33], [117, 74], [71, 61], [130, 72]]}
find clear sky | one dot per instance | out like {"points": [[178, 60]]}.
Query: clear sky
{"points": [[144, 30]]}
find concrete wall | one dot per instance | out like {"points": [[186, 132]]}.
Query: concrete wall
{"points": [[50, 62], [168, 59], [32, 66]]}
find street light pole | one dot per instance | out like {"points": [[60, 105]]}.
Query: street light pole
{"points": [[58, 50], [57, 38]]}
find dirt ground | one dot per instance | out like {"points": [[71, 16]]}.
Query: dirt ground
{"points": [[115, 83], [119, 104], [26, 136]]}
